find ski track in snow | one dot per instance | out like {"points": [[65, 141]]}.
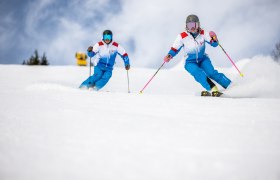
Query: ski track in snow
{"points": [[50, 129]]}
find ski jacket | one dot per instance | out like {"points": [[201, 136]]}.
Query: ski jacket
{"points": [[106, 54], [194, 48]]}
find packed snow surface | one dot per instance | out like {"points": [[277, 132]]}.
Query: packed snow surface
{"points": [[51, 130]]}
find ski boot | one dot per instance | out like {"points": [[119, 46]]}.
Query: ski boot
{"points": [[205, 93], [92, 88], [216, 94], [87, 85]]}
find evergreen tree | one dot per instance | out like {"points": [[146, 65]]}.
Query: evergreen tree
{"points": [[31, 60], [35, 59], [44, 60], [276, 52]]}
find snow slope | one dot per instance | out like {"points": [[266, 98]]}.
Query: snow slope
{"points": [[50, 130]]}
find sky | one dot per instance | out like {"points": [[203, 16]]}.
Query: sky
{"points": [[146, 29]]}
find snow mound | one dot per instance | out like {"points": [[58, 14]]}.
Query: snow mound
{"points": [[261, 79]]}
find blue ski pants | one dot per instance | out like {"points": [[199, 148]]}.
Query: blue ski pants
{"points": [[99, 79], [200, 71]]}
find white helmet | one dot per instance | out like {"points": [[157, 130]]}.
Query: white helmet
{"points": [[192, 23]]}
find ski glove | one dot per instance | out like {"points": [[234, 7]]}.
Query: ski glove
{"points": [[89, 49], [90, 52], [167, 58], [214, 40], [213, 36], [127, 67]]}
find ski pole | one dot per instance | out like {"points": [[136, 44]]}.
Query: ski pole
{"points": [[152, 77], [89, 66], [231, 60], [128, 89]]}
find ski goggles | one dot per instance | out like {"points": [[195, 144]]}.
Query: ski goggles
{"points": [[107, 37], [192, 25]]}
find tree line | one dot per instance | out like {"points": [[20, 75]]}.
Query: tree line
{"points": [[276, 52], [36, 60]]}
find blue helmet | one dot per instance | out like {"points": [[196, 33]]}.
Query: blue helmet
{"points": [[107, 34]]}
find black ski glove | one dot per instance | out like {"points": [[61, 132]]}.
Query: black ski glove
{"points": [[89, 49]]}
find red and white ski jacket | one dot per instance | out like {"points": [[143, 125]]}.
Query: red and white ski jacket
{"points": [[106, 54]]}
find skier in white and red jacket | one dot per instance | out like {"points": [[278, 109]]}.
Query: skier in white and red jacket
{"points": [[106, 52], [197, 62]]}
